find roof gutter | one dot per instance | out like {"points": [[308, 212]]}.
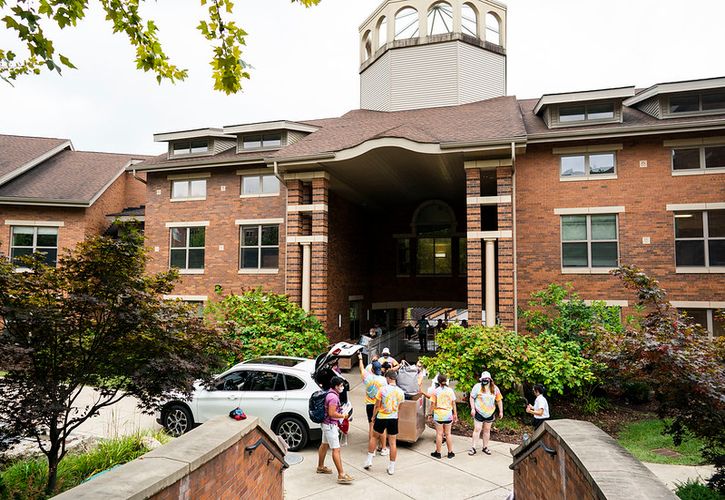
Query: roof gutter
{"points": [[163, 168], [493, 144], [6, 200], [699, 126], [301, 159]]}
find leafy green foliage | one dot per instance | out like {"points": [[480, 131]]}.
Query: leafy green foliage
{"points": [[592, 405], [512, 359], [693, 489], [97, 321], [559, 311], [264, 323], [642, 437], [26, 20], [26, 479]]}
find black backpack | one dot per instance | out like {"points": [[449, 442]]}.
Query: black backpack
{"points": [[318, 412]]}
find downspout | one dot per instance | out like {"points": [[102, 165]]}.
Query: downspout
{"points": [[286, 225], [513, 215], [133, 174]]}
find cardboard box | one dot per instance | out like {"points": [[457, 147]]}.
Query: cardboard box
{"points": [[411, 419]]}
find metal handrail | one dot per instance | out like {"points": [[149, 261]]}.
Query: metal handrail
{"points": [[528, 452], [275, 454]]}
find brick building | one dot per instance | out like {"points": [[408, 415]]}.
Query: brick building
{"points": [[52, 196], [442, 191]]}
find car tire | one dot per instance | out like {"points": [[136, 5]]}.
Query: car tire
{"points": [[294, 431], [177, 419]]}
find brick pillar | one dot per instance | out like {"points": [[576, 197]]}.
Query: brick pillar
{"points": [[505, 250], [474, 268], [293, 272], [318, 304]]}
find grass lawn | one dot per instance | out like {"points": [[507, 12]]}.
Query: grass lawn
{"points": [[641, 437]]}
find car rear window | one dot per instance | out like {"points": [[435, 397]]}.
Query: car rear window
{"points": [[293, 383]]}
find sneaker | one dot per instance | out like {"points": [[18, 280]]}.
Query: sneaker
{"points": [[435, 454], [368, 466], [391, 471], [451, 454], [384, 452]]}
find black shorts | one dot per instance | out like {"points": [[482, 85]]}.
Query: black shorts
{"points": [[481, 418], [386, 424], [445, 422], [369, 410], [538, 421]]}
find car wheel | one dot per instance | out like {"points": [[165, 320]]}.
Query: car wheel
{"points": [[178, 420], [293, 431]]}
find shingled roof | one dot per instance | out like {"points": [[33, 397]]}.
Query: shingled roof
{"points": [[17, 153]]}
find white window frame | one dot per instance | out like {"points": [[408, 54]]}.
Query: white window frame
{"points": [[34, 247], [261, 193], [259, 246], [589, 269], [188, 181], [707, 268], [187, 227], [702, 169], [262, 136], [588, 176], [710, 318]]}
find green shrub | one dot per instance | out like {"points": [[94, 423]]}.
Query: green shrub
{"points": [[636, 392], [512, 359], [264, 323], [695, 490], [592, 405]]}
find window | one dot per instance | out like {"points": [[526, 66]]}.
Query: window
{"points": [[368, 45], [406, 23], [586, 112], [187, 247], [26, 240], [698, 158], [256, 185], [258, 141], [469, 20], [493, 29], [440, 19], [188, 189], [190, 147], [709, 319], [589, 241], [231, 381], [588, 165], [434, 256], [259, 247], [695, 103], [293, 383], [403, 256], [382, 31], [700, 238], [264, 382]]}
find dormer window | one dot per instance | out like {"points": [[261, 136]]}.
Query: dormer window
{"points": [[696, 103], [182, 148], [586, 112], [259, 141]]}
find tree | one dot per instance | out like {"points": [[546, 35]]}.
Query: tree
{"points": [[27, 19], [96, 321], [264, 323], [674, 357]]}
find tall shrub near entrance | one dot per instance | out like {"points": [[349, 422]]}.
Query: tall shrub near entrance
{"points": [[512, 359], [262, 323]]}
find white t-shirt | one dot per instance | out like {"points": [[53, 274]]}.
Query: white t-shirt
{"points": [[540, 403]]}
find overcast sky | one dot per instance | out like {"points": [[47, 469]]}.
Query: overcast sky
{"points": [[306, 60]]}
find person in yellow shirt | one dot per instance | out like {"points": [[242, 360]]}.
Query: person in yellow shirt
{"points": [[373, 379], [485, 398], [385, 419], [443, 400]]}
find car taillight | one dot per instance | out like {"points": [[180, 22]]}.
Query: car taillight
{"points": [[336, 352]]}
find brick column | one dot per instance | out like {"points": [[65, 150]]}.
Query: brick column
{"points": [[318, 299], [505, 250], [474, 268], [293, 272]]}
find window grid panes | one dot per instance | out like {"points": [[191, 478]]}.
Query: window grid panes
{"points": [[434, 256], [259, 141], [260, 184], [469, 20], [406, 23], [698, 158], [26, 240], [382, 32], [188, 188], [588, 165], [589, 241], [259, 247], [187, 248], [700, 238], [440, 19], [695, 103], [190, 147], [493, 29], [709, 319], [586, 112]]}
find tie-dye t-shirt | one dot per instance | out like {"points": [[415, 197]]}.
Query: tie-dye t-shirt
{"points": [[443, 399], [484, 401], [373, 383], [390, 397]]}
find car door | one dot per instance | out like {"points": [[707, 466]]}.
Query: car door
{"points": [[263, 395], [222, 397]]}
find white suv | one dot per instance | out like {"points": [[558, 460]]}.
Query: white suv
{"points": [[276, 389]]}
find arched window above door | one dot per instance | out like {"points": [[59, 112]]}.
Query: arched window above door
{"points": [[434, 218]]}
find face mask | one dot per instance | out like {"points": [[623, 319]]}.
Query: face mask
{"points": [[485, 381]]}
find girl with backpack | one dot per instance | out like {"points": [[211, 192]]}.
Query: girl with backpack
{"points": [[484, 399]]}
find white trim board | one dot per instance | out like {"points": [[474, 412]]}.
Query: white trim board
{"points": [[35, 223], [189, 298], [674, 207], [252, 222], [589, 210], [200, 223]]}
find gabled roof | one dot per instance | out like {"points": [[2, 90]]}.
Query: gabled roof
{"points": [[54, 174], [197, 133], [19, 153], [670, 87]]}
